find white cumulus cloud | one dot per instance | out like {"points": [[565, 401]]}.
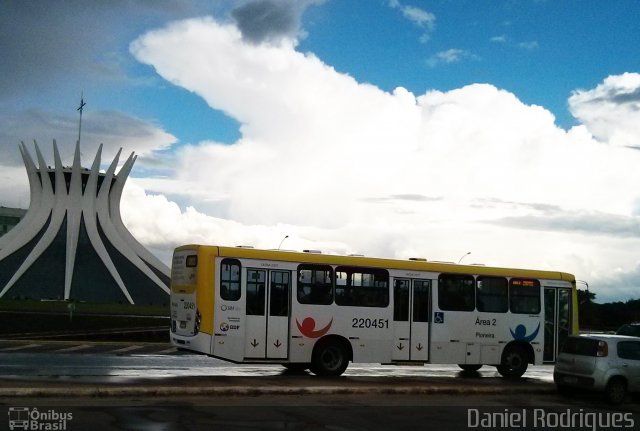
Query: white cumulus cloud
{"points": [[349, 167], [611, 111]]}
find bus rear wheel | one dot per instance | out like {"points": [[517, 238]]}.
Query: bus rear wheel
{"points": [[514, 363], [470, 367], [329, 359]]}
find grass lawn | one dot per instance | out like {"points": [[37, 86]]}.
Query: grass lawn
{"points": [[55, 320], [83, 307]]}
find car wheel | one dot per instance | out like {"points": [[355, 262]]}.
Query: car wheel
{"points": [[514, 363], [470, 367], [329, 359], [616, 390]]}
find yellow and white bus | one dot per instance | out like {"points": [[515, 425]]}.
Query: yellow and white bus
{"points": [[318, 311]]}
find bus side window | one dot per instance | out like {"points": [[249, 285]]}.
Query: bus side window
{"points": [[492, 294], [256, 285], [401, 300], [230, 279], [421, 298], [279, 295], [524, 296], [456, 292], [315, 284], [362, 287]]}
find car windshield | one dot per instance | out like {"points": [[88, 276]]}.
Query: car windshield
{"points": [[633, 330], [580, 346]]}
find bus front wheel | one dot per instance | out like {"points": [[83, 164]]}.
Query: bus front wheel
{"points": [[514, 363], [329, 359]]}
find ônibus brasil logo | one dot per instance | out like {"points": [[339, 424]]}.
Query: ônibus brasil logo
{"points": [[26, 418], [308, 328]]}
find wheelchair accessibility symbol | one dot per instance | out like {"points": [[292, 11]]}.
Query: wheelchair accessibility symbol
{"points": [[438, 317]]}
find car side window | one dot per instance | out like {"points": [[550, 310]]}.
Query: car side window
{"points": [[629, 350]]}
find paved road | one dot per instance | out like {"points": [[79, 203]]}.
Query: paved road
{"points": [[152, 360], [154, 387], [329, 412], [84, 347]]}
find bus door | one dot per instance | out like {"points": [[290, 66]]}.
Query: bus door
{"points": [[267, 314], [557, 320], [411, 310]]}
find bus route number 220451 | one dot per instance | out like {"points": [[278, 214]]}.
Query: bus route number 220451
{"points": [[359, 322]]}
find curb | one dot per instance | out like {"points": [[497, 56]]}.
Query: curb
{"points": [[97, 391]]}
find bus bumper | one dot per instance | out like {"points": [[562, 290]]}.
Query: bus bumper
{"points": [[200, 342]]}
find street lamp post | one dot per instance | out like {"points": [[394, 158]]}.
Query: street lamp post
{"points": [[285, 237], [463, 256]]}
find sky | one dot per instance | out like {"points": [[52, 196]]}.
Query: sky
{"points": [[509, 129]]}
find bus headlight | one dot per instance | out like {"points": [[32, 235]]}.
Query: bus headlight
{"points": [[173, 325]]}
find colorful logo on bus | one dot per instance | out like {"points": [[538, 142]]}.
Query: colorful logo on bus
{"points": [[308, 328], [520, 333]]}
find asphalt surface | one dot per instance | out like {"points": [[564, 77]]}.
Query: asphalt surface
{"points": [[85, 347], [364, 412], [152, 386], [83, 369]]}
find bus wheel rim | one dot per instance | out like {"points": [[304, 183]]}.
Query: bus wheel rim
{"points": [[331, 358]]}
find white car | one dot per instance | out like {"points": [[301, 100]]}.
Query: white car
{"points": [[609, 363]]}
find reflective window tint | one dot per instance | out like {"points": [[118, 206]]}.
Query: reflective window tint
{"points": [[315, 284], [256, 285], [362, 287], [230, 280], [492, 294], [549, 324], [456, 292], [564, 315], [421, 289], [279, 297], [629, 350], [580, 346], [401, 300], [524, 296]]}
